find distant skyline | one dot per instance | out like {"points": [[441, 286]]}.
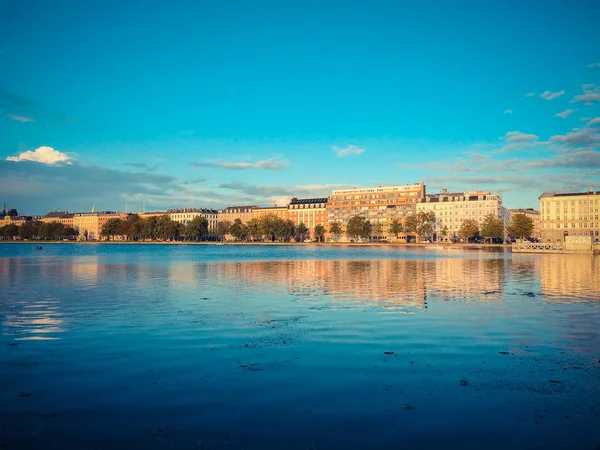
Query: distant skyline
{"points": [[208, 104]]}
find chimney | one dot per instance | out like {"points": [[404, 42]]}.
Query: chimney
{"points": [[444, 191]]}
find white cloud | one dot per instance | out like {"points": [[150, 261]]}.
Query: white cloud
{"points": [[43, 155], [591, 94], [530, 94], [547, 95], [350, 150], [594, 121], [517, 136], [566, 113], [19, 118], [586, 136], [508, 111], [594, 65], [265, 164]]}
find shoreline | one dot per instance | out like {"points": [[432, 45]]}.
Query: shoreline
{"points": [[316, 244]]}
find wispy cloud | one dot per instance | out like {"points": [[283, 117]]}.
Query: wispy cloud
{"points": [[566, 113], [508, 111], [20, 118], [595, 121], [547, 95], [591, 94], [594, 65], [43, 155], [530, 94], [517, 136], [349, 150], [586, 136], [265, 164], [265, 193]]}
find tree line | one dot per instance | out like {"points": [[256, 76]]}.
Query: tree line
{"points": [[271, 228], [36, 229]]}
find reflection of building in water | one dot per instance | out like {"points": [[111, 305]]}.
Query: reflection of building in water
{"points": [[39, 320], [394, 282], [85, 270], [570, 277]]}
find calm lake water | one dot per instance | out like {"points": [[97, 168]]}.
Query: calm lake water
{"points": [[259, 347]]}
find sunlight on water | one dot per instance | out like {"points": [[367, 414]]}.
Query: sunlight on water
{"points": [[275, 347]]}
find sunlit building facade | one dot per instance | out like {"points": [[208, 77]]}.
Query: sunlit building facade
{"points": [[63, 217], [309, 211], [570, 214], [278, 211], [452, 208], [229, 214], [89, 224], [378, 205], [185, 215]]}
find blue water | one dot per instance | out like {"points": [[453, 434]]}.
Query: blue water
{"points": [[256, 347]]}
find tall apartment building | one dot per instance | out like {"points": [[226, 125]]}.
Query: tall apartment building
{"points": [[90, 224], [570, 214], [534, 215], [378, 205], [452, 208], [309, 211], [185, 215], [244, 213], [279, 211]]}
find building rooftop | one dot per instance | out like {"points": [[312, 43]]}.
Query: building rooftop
{"points": [[568, 194], [58, 215], [303, 201], [200, 210], [243, 207]]}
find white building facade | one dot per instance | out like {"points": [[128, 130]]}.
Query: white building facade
{"points": [[185, 215], [452, 208]]}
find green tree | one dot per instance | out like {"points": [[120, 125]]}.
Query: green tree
{"points": [[71, 232], [223, 228], [9, 231], [238, 230], [411, 224], [29, 229], [358, 227], [283, 230], [469, 228], [301, 231], [111, 228], [150, 228], [132, 227], [396, 228], [445, 231], [168, 229], [197, 228], [254, 228], [492, 227], [520, 226], [335, 229], [378, 228], [421, 224], [319, 232]]}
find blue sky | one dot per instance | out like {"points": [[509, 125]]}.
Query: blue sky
{"points": [[208, 104]]}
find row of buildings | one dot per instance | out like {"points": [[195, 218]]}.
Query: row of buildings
{"points": [[560, 214]]}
